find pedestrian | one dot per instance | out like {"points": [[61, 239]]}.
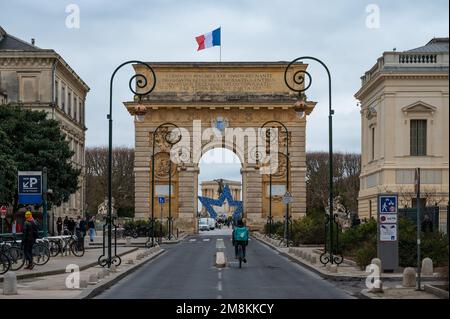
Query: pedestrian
{"points": [[427, 224], [66, 222], [14, 226], [30, 234], [71, 226], [91, 225], [59, 225], [83, 226]]}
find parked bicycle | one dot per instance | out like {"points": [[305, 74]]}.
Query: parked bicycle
{"points": [[5, 263]]}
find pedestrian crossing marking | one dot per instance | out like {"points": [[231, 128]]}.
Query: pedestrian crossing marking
{"points": [[193, 239], [206, 239]]}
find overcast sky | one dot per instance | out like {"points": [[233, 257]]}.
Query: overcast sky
{"points": [[155, 30]]}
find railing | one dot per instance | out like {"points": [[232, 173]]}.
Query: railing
{"points": [[417, 58]]}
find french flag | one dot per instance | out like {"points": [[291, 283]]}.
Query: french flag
{"points": [[208, 40]]}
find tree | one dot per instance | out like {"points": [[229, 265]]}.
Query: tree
{"points": [[29, 142], [346, 171], [122, 179]]}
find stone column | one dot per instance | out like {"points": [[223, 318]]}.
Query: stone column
{"points": [[187, 198], [252, 200]]}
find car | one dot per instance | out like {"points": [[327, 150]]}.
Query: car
{"points": [[211, 223], [203, 224]]}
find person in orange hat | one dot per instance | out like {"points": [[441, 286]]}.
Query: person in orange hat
{"points": [[30, 234]]}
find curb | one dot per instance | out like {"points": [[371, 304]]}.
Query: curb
{"points": [[441, 293], [92, 292], [337, 277], [63, 271]]}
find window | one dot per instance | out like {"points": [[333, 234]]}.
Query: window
{"points": [[63, 98], [372, 154], [81, 113], [56, 93], [418, 137], [69, 99], [75, 106]]}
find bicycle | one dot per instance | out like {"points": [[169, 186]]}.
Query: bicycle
{"points": [[15, 255], [41, 252], [5, 263], [76, 246]]}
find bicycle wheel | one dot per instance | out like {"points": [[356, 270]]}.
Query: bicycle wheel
{"points": [[16, 257], [55, 248], [5, 263], [41, 254], [77, 248]]}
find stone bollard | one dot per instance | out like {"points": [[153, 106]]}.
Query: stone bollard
{"points": [[106, 272], [139, 256], [409, 277], [308, 257], [100, 274], [376, 261], [291, 250], [313, 259], [427, 267], [334, 269], [83, 283], [128, 241], [113, 268], [93, 279], [328, 267], [10, 283]]}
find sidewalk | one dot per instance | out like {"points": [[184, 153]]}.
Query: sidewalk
{"points": [[44, 286], [133, 242], [308, 257]]}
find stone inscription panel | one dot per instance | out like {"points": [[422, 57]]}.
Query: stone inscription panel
{"points": [[215, 82]]}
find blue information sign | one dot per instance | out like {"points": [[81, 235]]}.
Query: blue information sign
{"points": [[161, 200], [30, 187], [388, 204]]}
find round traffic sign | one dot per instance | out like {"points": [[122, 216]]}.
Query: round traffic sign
{"points": [[3, 211]]}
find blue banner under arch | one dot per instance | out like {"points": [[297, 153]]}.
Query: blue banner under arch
{"points": [[208, 203]]}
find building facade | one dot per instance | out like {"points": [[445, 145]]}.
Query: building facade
{"points": [[404, 125], [40, 80], [210, 189]]}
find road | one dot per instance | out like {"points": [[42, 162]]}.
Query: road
{"points": [[187, 271]]}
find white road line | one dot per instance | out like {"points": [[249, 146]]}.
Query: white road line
{"points": [[193, 239], [219, 286], [206, 239], [219, 297], [220, 244], [219, 274]]}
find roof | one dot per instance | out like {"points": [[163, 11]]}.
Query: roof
{"points": [[10, 42], [435, 45]]}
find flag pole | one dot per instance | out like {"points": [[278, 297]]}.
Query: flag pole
{"points": [[220, 50]]}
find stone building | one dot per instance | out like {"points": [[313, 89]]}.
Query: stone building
{"points": [[404, 125], [210, 189], [41, 80]]}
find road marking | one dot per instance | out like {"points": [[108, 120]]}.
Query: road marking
{"points": [[219, 286], [219, 297], [219, 274], [220, 244], [193, 239], [206, 239]]}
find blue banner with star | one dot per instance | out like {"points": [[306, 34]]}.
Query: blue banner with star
{"points": [[208, 203]]}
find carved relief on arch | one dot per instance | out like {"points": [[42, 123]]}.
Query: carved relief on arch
{"points": [[162, 165]]}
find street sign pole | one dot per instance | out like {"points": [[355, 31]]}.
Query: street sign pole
{"points": [[44, 197], [417, 189]]}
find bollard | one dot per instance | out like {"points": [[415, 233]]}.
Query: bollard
{"points": [[427, 267], [100, 275], [376, 261], [10, 283], [308, 257], [113, 268], [128, 241], [409, 277], [313, 259], [328, 267], [106, 272], [93, 279], [334, 268], [83, 283]]}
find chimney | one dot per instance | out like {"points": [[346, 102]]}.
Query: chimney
{"points": [[32, 41]]}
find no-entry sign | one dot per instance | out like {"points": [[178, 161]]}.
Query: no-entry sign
{"points": [[3, 211]]}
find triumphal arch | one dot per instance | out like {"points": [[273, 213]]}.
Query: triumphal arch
{"points": [[242, 106]]}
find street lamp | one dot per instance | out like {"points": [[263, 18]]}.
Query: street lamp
{"points": [[141, 82], [286, 217], [171, 139], [302, 81]]}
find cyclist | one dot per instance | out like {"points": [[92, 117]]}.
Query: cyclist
{"points": [[240, 237], [30, 234]]}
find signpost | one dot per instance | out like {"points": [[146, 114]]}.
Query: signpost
{"points": [[161, 201], [417, 191], [287, 198], [388, 231]]}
